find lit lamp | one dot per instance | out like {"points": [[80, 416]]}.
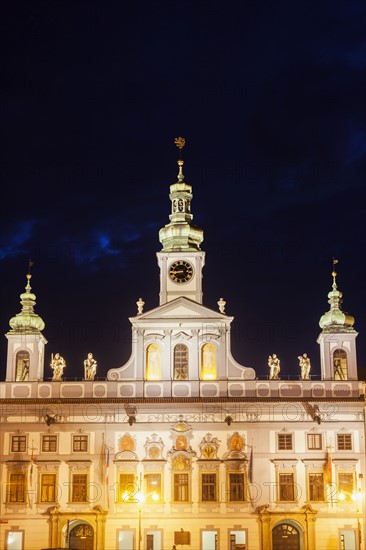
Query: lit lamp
{"points": [[141, 498], [357, 497]]}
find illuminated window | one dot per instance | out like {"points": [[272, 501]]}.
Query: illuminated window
{"points": [[22, 366], [48, 487], [284, 441], [18, 443], [153, 362], [16, 487], [286, 487], [79, 488], [315, 441], [346, 484], [316, 487], [80, 443], [180, 362], [236, 487], [208, 485], [49, 443], [208, 362], [344, 442], [181, 487], [153, 487], [127, 487], [340, 365]]}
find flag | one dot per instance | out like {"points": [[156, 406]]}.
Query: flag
{"points": [[107, 466], [250, 468], [328, 465], [107, 475], [31, 470]]}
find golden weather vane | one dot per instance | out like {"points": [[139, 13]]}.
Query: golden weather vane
{"points": [[180, 143]]}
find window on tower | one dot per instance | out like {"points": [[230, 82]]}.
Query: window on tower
{"points": [[153, 362], [22, 366], [208, 362], [181, 362], [340, 365]]}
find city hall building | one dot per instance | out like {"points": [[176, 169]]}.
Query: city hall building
{"points": [[182, 447]]}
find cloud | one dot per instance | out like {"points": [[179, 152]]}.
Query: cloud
{"points": [[15, 238]]}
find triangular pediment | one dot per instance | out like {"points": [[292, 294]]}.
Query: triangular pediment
{"points": [[182, 308]]}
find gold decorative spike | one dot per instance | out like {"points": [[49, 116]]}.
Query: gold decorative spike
{"points": [[334, 273], [180, 142]]}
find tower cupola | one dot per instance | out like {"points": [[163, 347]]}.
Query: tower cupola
{"points": [[181, 259], [337, 339], [26, 343]]}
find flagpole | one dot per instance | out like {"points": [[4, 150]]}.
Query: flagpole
{"points": [[30, 502]]}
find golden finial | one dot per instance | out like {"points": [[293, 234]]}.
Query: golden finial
{"points": [[30, 263], [334, 273], [180, 143]]}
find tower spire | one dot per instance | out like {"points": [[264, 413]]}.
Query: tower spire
{"points": [[27, 321], [336, 320], [180, 234]]}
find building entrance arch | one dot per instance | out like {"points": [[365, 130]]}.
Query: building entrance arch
{"points": [[286, 536], [81, 536]]}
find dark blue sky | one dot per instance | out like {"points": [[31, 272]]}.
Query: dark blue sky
{"points": [[270, 97]]}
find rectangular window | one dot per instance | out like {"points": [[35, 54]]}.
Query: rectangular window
{"points": [[284, 442], [236, 487], [14, 540], [316, 487], [16, 488], [208, 487], [79, 488], [49, 443], [48, 487], [315, 442], [344, 442], [153, 487], [80, 443], [127, 487], [286, 487], [18, 443], [345, 485], [181, 487]]}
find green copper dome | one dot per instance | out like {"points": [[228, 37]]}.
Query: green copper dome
{"points": [[27, 321], [336, 320], [180, 234]]}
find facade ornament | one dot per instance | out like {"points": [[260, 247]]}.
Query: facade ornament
{"points": [[140, 306], [274, 366], [221, 303], [57, 364], [90, 367], [305, 366]]}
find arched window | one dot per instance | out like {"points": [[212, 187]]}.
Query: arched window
{"points": [[22, 366], [340, 365], [180, 362], [208, 362], [153, 362]]}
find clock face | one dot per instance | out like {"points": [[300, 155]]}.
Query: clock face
{"points": [[181, 271]]}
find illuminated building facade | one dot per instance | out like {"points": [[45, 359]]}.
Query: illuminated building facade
{"points": [[182, 445]]}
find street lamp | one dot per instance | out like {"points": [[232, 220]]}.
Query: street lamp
{"points": [[141, 498], [357, 497]]}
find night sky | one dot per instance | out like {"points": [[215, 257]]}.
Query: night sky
{"points": [[270, 97]]}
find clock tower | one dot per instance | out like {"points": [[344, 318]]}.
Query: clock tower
{"points": [[181, 259]]}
